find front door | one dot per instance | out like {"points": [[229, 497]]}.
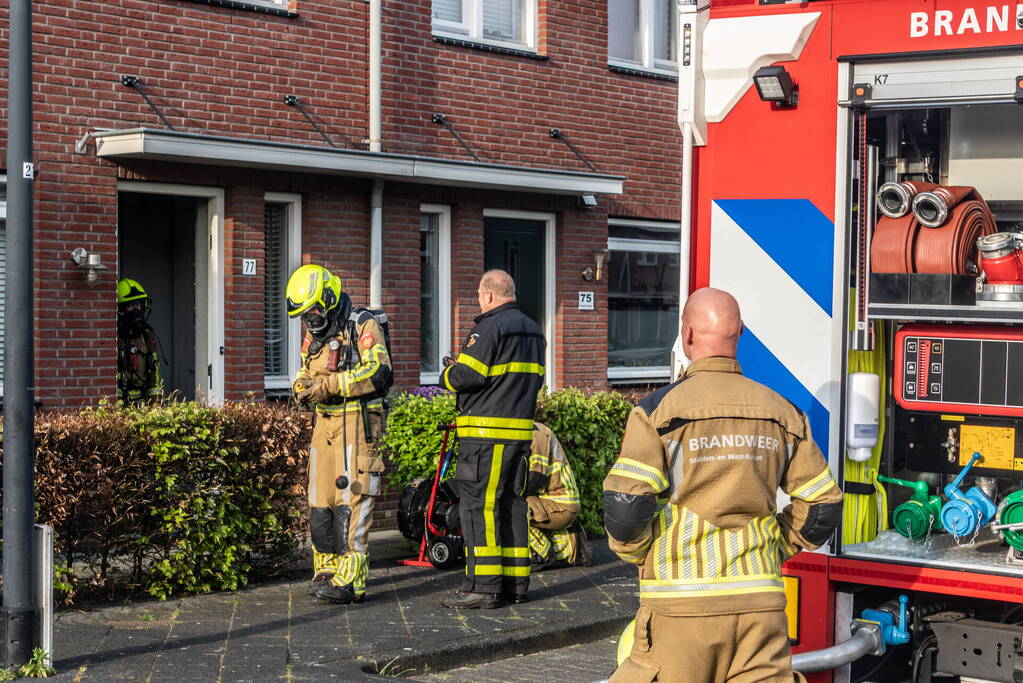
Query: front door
{"points": [[517, 246], [158, 236]]}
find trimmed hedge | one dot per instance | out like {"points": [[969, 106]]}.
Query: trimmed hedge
{"points": [[588, 425], [171, 497]]}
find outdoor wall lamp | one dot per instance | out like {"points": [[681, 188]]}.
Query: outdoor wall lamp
{"points": [[774, 84], [598, 257], [90, 263]]}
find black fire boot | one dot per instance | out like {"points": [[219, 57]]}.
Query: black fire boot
{"points": [[339, 595], [463, 600], [318, 581]]}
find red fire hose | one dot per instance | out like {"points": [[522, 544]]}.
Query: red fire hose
{"points": [[909, 244], [952, 247]]}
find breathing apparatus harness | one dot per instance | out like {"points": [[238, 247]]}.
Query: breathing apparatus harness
{"points": [[324, 328], [132, 325]]}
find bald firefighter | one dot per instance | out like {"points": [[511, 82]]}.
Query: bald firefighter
{"points": [[138, 361], [497, 376], [691, 501], [344, 376], [552, 496]]}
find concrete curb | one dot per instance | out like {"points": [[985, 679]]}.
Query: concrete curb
{"points": [[488, 648]]}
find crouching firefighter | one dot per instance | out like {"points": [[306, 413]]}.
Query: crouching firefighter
{"points": [[138, 362], [556, 539], [345, 374], [691, 500]]}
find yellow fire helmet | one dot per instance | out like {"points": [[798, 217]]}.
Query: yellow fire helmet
{"points": [[130, 290], [312, 285], [625, 642]]}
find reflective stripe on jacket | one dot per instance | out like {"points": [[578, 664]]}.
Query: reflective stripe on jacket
{"points": [[703, 459], [547, 461], [497, 376]]}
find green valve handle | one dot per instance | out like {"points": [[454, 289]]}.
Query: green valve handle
{"points": [[914, 518], [921, 491]]}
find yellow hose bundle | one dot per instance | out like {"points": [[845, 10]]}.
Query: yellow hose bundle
{"points": [[864, 515]]}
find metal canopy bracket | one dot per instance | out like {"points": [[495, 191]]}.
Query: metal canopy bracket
{"points": [[136, 84]]}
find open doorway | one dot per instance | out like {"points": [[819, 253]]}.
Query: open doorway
{"points": [[162, 244]]}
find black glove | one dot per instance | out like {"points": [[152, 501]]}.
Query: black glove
{"points": [[448, 361]]}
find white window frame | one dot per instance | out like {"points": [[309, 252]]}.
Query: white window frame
{"points": [[657, 373], [275, 4], [443, 287], [293, 227], [647, 61], [471, 26], [550, 300]]}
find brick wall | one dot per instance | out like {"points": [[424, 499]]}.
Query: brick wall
{"points": [[223, 71]]}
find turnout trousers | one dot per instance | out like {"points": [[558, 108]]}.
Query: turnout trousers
{"points": [[491, 479], [737, 648], [344, 480], [549, 537]]}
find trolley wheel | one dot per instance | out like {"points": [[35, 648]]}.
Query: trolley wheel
{"points": [[444, 552]]}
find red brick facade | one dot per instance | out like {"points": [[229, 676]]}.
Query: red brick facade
{"points": [[223, 71]]}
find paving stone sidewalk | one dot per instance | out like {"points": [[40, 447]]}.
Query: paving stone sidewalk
{"points": [[277, 632], [583, 663]]}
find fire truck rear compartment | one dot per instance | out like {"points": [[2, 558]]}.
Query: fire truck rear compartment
{"points": [[953, 375]]}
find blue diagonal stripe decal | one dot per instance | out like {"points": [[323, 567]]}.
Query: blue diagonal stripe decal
{"points": [[796, 235], [759, 364]]}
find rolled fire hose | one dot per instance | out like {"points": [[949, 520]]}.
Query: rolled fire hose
{"points": [[891, 247], [861, 643], [938, 236], [952, 246]]}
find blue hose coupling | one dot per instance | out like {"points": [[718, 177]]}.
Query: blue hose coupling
{"points": [[892, 632], [965, 513]]}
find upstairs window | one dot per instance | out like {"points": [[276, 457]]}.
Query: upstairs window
{"points": [[510, 23], [641, 34]]}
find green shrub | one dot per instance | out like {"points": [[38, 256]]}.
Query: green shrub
{"points": [[171, 497], [413, 436], [590, 429]]}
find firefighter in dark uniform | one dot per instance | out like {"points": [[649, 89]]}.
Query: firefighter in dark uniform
{"points": [[138, 361], [497, 376], [344, 375], [691, 500]]}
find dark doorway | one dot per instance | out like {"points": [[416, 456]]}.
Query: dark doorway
{"points": [[157, 247], [517, 246]]}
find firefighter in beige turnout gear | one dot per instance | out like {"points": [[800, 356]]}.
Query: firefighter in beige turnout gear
{"points": [[344, 375], [555, 538], [691, 501]]}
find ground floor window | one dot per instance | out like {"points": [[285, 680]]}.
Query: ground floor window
{"points": [[434, 290], [643, 295], [282, 244]]}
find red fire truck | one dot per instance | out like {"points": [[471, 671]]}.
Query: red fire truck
{"points": [[854, 175]]}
